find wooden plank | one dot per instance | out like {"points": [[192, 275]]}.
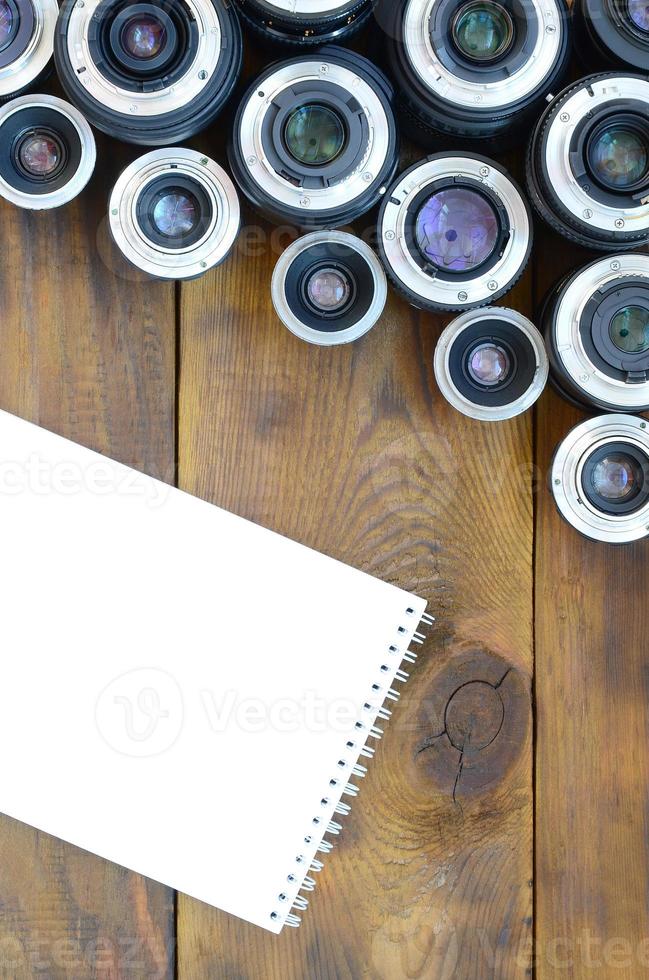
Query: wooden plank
{"points": [[354, 452], [592, 767], [90, 354]]}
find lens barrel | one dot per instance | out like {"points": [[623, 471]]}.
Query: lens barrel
{"points": [[151, 73], [588, 162], [315, 142], [600, 478], [454, 232], [491, 364], [174, 214], [612, 33], [474, 70], [26, 44], [596, 326], [329, 288], [304, 23], [47, 152]]}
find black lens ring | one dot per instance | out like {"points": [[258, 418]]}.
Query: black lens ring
{"points": [[24, 24], [519, 349], [344, 259], [132, 74], [143, 66], [333, 97], [618, 113], [606, 25], [594, 330], [151, 194], [450, 55], [48, 132], [415, 206], [20, 124], [283, 27], [625, 507], [323, 266]]}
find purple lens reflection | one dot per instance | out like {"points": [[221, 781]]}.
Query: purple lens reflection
{"points": [[144, 37], [457, 229], [639, 13], [6, 22]]}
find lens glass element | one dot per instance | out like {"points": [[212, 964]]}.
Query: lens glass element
{"points": [[329, 290], [617, 478], [639, 13], [143, 36], [6, 22], [457, 229], [482, 30], [176, 213], [619, 156], [314, 135], [488, 364], [40, 154], [629, 330]]}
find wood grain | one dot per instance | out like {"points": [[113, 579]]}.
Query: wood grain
{"points": [[592, 768], [354, 452], [89, 354]]}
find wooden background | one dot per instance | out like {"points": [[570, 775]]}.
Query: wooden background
{"points": [[503, 826]]}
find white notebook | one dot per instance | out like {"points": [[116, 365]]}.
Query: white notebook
{"points": [[182, 692]]}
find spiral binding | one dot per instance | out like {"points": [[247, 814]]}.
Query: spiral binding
{"points": [[356, 769]]}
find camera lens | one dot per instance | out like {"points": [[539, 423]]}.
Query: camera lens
{"points": [[307, 23], [26, 44], [588, 163], [474, 69], [47, 152], [154, 72], [612, 33], [315, 141], [454, 232], [600, 478], [491, 364], [329, 288], [174, 214], [596, 324]]}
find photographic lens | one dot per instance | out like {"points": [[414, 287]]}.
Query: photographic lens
{"points": [[491, 364], [457, 229], [329, 288], [315, 135], [473, 70], [596, 323], [612, 34], [307, 23], [600, 478], [174, 214], [588, 173], [26, 44], [639, 14], [315, 141], [150, 72], [143, 37], [482, 31], [618, 157], [454, 232], [47, 152]]}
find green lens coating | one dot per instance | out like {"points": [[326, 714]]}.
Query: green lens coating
{"points": [[483, 30], [619, 156], [629, 330], [314, 135]]}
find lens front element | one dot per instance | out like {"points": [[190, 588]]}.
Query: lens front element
{"points": [[483, 31], [457, 229], [315, 135]]}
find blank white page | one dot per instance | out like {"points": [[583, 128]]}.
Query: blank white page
{"points": [[180, 689]]}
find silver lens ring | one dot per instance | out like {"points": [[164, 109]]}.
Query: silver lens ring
{"points": [[316, 202], [471, 94], [620, 432], [72, 137], [34, 58], [216, 189], [591, 384], [421, 285], [328, 248], [511, 332]]}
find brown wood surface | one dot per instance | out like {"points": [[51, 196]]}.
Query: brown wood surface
{"points": [[90, 355]]}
